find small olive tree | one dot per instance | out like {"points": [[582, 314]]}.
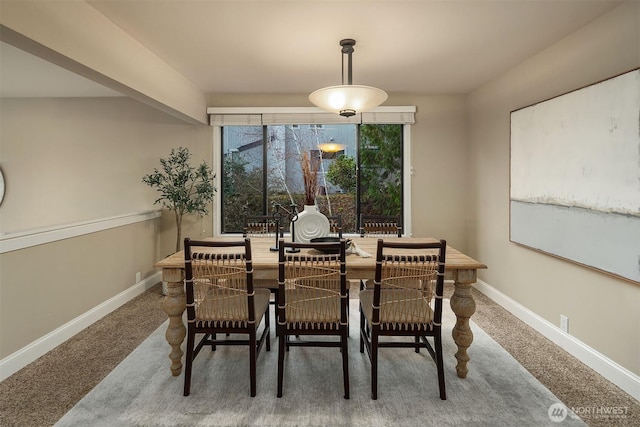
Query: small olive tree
{"points": [[183, 188]]}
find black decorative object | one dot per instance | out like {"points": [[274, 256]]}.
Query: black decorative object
{"points": [[292, 216], [277, 216]]}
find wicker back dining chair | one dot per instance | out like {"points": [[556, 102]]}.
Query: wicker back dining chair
{"points": [[335, 226], [406, 301], [263, 226], [312, 300], [260, 226], [380, 226], [221, 299]]}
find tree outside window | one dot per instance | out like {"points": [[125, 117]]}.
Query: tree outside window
{"points": [[381, 169], [261, 166]]}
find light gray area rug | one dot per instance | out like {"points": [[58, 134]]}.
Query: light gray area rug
{"points": [[498, 391]]}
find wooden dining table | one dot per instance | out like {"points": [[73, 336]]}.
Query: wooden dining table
{"points": [[460, 268]]}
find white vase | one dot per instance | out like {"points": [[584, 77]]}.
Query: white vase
{"points": [[310, 224]]}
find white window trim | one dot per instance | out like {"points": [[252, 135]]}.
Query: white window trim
{"points": [[301, 110], [407, 177], [220, 116]]}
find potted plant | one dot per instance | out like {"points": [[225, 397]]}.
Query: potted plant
{"points": [[183, 188]]}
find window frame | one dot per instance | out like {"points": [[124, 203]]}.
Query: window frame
{"points": [[221, 116]]}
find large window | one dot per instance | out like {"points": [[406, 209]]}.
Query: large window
{"points": [[359, 169]]}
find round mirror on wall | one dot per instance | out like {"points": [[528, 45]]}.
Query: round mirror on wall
{"points": [[1, 186]]}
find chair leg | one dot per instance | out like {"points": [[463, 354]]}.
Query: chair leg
{"points": [[252, 361], [275, 307], [267, 325], [362, 330], [188, 363], [374, 365], [417, 342], [440, 366], [281, 342], [348, 304], [345, 364]]}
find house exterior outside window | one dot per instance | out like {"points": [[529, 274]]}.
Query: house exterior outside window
{"points": [[261, 166], [258, 153]]}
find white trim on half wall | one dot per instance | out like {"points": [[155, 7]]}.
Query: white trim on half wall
{"points": [[26, 239]]}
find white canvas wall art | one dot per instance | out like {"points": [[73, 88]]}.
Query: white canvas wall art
{"points": [[575, 176]]}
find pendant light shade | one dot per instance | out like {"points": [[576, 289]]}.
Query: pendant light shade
{"points": [[348, 99]]}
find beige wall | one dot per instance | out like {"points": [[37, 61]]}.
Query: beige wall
{"points": [[603, 311], [440, 154], [77, 159], [68, 160]]}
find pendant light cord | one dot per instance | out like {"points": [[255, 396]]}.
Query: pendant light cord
{"points": [[347, 49]]}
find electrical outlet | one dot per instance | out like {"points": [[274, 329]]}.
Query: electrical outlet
{"points": [[138, 277], [564, 323]]}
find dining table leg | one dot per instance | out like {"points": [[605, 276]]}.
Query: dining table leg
{"points": [[463, 305], [174, 305]]}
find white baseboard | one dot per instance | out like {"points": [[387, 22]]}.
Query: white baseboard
{"points": [[612, 371], [21, 358]]}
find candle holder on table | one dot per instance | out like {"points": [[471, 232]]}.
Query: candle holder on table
{"points": [[277, 216], [292, 216]]}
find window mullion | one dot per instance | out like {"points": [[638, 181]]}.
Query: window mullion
{"points": [[265, 194], [358, 178]]}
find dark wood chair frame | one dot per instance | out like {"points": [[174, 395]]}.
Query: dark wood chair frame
{"points": [[249, 230], [210, 332], [370, 336], [285, 330], [335, 230], [379, 226]]}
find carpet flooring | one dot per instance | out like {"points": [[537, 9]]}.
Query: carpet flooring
{"points": [[41, 393]]}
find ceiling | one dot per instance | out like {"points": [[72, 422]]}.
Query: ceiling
{"points": [[269, 46]]}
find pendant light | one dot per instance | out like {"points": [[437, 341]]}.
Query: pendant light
{"points": [[348, 99]]}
